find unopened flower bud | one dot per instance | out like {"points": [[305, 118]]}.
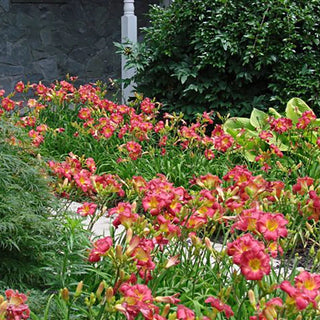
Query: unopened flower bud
{"points": [[281, 167], [65, 294], [312, 251], [165, 310], [228, 291], [122, 275], [196, 241], [3, 307], [208, 243], [129, 235], [252, 298], [309, 227], [269, 314], [172, 262], [92, 299], [101, 287], [65, 182], [79, 289], [119, 252], [234, 191], [120, 308], [299, 317], [109, 294]]}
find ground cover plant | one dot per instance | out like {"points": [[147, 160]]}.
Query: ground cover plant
{"points": [[207, 220]]}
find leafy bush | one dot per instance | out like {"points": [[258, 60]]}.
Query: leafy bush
{"points": [[28, 232], [230, 56]]}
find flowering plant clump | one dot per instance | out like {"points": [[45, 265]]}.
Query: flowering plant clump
{"points": [[14, 307], [197, 232], [289, 142]]}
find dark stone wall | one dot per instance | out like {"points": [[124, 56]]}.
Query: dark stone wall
{"points": [[45, 41]]}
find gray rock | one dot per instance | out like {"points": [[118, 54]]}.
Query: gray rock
{"points": [[46, 41], [48, 68], [10, 70], [5, 5], [101, 43], [46, 36]]}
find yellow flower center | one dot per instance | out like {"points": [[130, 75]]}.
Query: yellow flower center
{"points": [[309, 284], [255, 264], [252, 224], [272, 225], [153, 203]]}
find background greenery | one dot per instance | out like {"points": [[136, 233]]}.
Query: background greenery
{"points": [[229, 55]]}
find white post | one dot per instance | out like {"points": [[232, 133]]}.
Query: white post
{"points": [[128, 32]]}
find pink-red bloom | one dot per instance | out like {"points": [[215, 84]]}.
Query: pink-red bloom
{"points": [[7, 104], [272, 226], [254, 264], [220, 306], [137, 298], [86, 209], [16, 307], [280, 125], [19, 87], [305, 119], [305, 291], [184, 313], [100, 248], [241, 245], [302, 185]]}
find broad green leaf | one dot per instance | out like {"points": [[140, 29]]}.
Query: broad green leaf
{"points": [[184, 78], [316, 122], [238, 123], [249, 155], [232, 132], [295, 108], [275, 113], [280, 144], [315, 169], [258, 118]]}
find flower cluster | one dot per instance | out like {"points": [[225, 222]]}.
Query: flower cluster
{"points": [[251, 256], [271, 226], [80, 173], [105, 120], [304, 292], [308, 200], [14, 307]]}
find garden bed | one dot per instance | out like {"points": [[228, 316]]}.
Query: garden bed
{"points": [[173, 193]]}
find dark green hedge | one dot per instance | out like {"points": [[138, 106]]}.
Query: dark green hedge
{"points": [[230, 55]]}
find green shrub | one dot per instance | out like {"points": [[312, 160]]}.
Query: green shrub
{"points": [[229, 55], [29, 233]]}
